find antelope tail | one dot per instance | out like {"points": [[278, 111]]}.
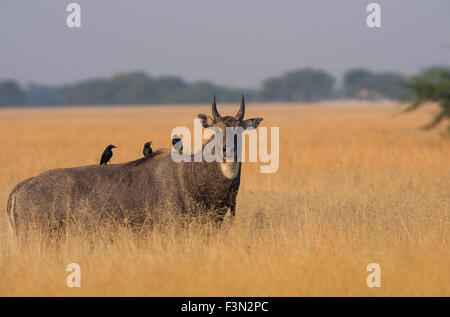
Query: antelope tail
{"points": [[10, 210]]}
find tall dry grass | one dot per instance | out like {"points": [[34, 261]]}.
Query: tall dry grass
{"points": [[357, 184]]}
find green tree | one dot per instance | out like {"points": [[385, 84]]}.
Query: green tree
{"points": [[41, 95], [353, 78], [431, 85], [132, 88], [11, 94], [387, 85], [87, 92], [302, 85]]}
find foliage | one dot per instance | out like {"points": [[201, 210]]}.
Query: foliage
{"points": [[41, 95], [302, 85], [11, 94], [431, 85], [139, 88], [385, 85]]}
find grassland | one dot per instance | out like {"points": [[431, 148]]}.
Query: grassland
{"points": [[357, 184]]}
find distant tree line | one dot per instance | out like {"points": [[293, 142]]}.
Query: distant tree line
{"points": [[11, 94], [139, 88]]}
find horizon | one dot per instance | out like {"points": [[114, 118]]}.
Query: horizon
{"points": [[338, 80]]}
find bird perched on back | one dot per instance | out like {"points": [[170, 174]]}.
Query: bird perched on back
{"points": [[177, 143], [147, 149], [107, 154]]}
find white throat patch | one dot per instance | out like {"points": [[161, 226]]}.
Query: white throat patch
{"points": [[229, 169]]}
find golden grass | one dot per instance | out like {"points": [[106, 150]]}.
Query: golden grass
{"points": [[356, 185]]}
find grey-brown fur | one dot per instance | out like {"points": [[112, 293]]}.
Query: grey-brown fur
{"points": [[150, 186]]}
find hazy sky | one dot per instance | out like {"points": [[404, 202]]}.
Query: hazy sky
{"points": [[233, 42]]}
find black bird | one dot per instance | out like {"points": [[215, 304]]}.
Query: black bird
{"points": [[107, 154], [147, 149], [177, 143]]}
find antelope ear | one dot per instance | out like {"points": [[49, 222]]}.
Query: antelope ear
{"points": [[251, 123], [207, 121]]}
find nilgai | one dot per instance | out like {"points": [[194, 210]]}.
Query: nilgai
{"points": [[147, 188]]}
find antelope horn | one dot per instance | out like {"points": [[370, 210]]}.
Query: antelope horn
{"points": [[215, 113], [240, 115]]}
